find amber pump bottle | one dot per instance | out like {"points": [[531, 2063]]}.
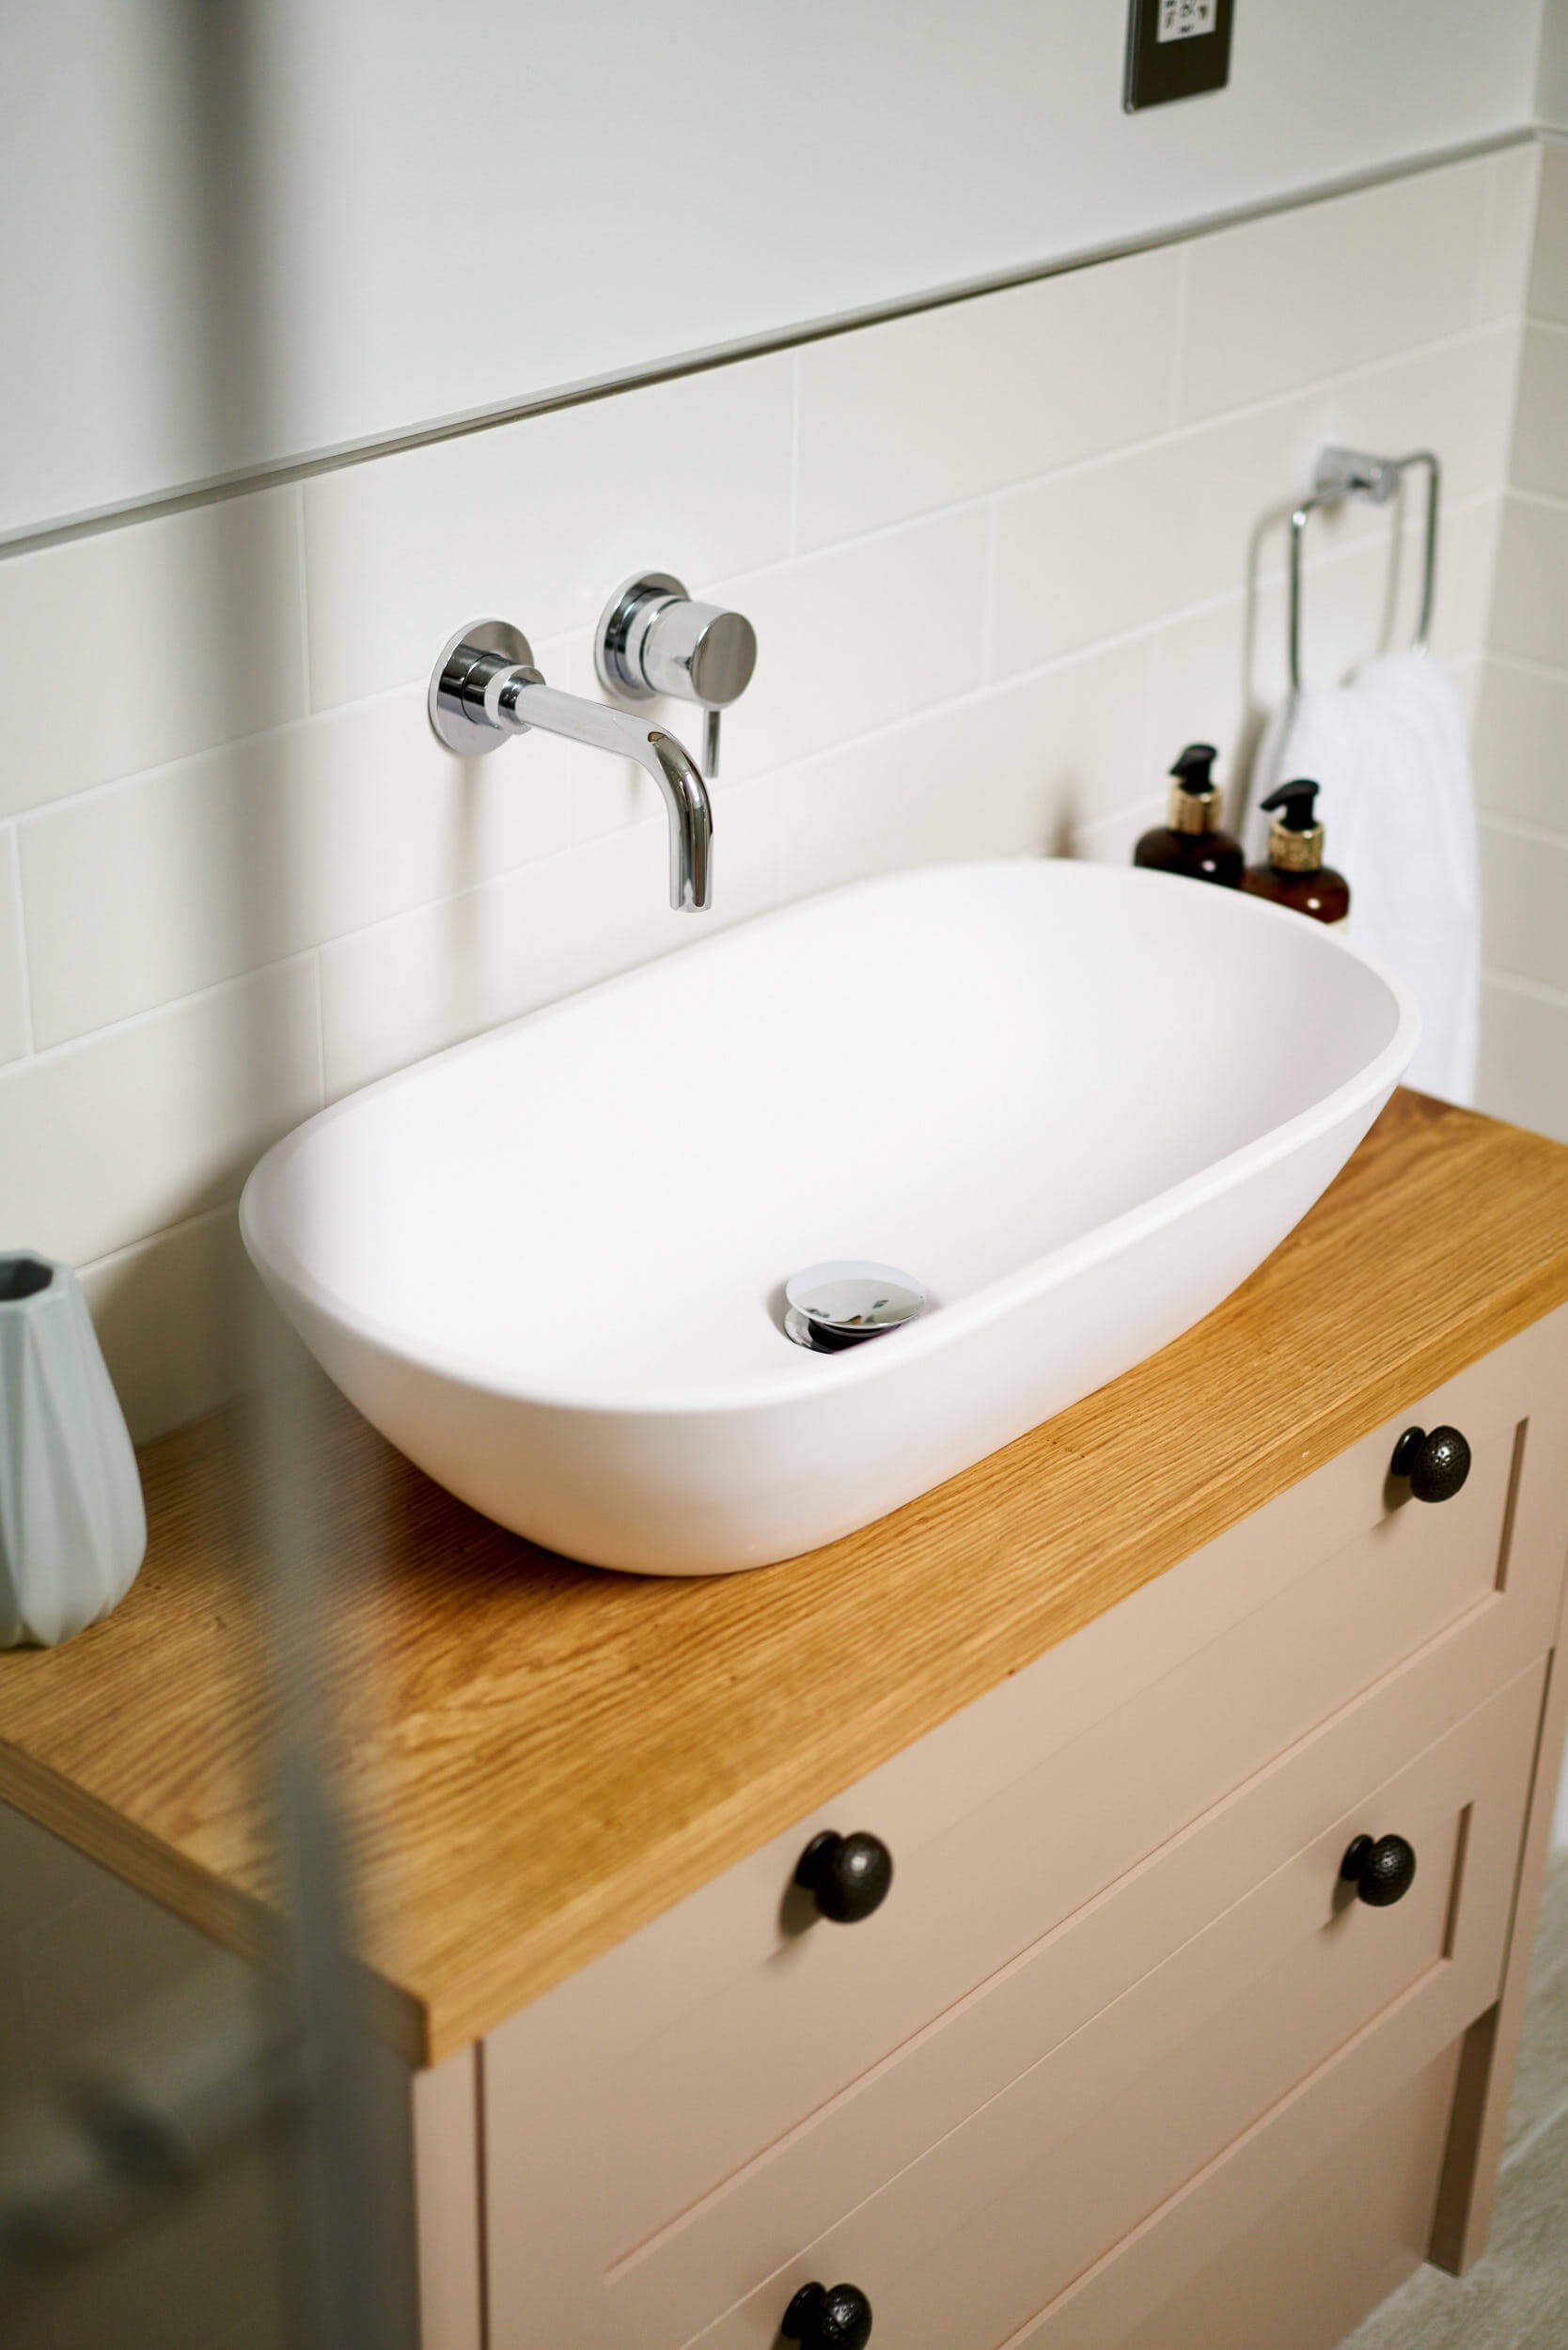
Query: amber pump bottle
{"points": [[1295, 874], [1190, 842]]}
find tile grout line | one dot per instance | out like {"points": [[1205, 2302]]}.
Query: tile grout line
{"points": [[301, 581], [1521, 829], [19, 905], [988, 593], [991, 688], [1179, 340], [217, 1214], [1027, 485], [1339, 380], [1138, 446], [795, 454], [1153, 685], [145, 1014], [1483, 244], [318, 1026], [317, 1022], [1516, 984], [309, 721], [1315, 565], [770, 778], [1548, 672]]}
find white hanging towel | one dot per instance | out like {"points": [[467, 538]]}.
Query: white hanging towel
{"points": [[1391, 753]]}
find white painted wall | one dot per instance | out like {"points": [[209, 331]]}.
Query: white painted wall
{"points": [[1551, 94], [237, 235]]}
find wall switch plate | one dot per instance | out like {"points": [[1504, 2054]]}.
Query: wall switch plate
{"points": [[1176, 49]]}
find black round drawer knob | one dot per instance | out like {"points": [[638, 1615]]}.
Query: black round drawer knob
{"points": [[1381, 1868], [1437, 1462], [819, 2315], [847, 1877]]}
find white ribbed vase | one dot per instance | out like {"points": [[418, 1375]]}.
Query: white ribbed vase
{"points": [[73, 1528]]}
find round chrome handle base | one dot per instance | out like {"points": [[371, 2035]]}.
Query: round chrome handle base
{"points": [[615, 660], [468, 662]]}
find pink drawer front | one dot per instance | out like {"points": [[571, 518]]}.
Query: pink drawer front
{"points": [[964, 2245], [1304, 2224], [725, 2029]]}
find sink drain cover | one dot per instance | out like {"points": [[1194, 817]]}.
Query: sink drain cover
{"points": [[829, 1307]]}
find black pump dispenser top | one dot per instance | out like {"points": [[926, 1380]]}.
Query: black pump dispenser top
{"points": [[1195, 769], [1295, 833], [1296, 803], [1191, 840], [1296, 875], [1194, 799]]}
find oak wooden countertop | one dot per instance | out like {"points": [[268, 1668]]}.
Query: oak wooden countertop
{"points": [[535, 1757]]}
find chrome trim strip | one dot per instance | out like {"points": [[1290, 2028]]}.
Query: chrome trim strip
{"points": [[302, 468]]}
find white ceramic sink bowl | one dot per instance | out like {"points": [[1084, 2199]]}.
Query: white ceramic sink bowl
{"points": [[1079, 1104]]}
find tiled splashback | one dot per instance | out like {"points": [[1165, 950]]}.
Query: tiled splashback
{"points": [[1003, 558], [1522, 729]]}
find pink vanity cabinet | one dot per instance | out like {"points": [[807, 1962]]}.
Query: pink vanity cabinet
{"points": [[1124, 2059]]}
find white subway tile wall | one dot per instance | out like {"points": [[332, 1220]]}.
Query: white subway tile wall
{"points": [[1521, 744], [1003, 557], [929, 410], [1329, 286], [1522, 718], [192, 630], [159, 1118], [536, 522], [428, 979], [174, 1316], [1524, 870]]}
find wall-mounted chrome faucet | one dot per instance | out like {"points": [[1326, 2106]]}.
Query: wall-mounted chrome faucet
{"points": [[652, 638], [484, 689]]}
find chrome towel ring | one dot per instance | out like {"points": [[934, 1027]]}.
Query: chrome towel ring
{"points": [[1343, 473]]}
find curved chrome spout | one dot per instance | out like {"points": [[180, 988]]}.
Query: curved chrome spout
{"points": [[690, 822], [519, 698]]}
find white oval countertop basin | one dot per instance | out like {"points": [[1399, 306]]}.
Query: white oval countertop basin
{"points": [[1078, 1104]]}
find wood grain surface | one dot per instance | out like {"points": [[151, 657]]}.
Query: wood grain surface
{"points": [[534, 1758]]}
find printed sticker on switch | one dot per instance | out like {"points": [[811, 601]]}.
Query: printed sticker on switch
{"points": [[1181, 19]]}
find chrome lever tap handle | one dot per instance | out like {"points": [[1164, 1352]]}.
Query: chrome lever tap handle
{"points": [[654, 638]]}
